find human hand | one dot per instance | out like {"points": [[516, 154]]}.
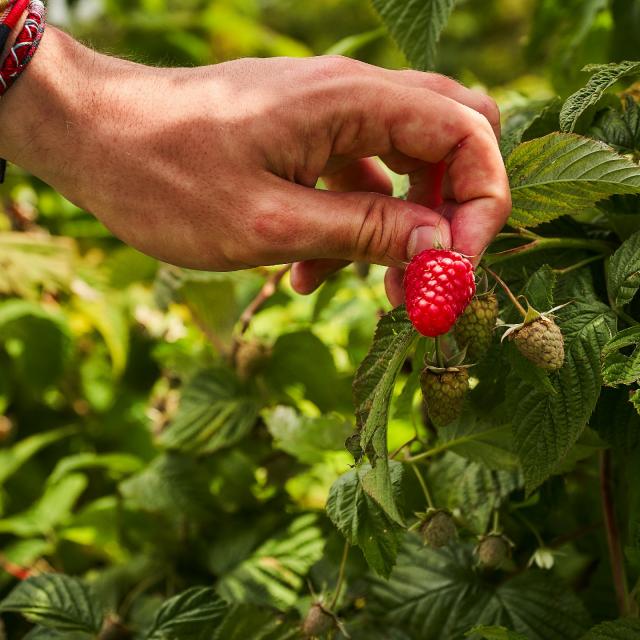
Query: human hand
{"points": [[215, 167]]}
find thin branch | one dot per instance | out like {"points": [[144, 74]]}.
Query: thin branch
{"points": [[269, 288], [613, 533]]}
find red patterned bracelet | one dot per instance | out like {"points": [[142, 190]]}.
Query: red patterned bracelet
{"points": [[23, 50], [25, 46]]}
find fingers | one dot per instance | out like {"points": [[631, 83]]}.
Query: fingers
{"points": [[476, 100], [393, 285], [362, 175], [432, 128], [308, 224]]}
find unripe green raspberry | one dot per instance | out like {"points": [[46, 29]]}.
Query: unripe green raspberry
{"points": [[444, 393], [541, 342], [438, 529], [492, 551], [318, 622], [474, 328]]}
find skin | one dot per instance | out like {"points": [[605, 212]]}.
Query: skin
{"points": [[215, 167]]}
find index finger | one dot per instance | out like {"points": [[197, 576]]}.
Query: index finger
{"points": [[425, 125]]}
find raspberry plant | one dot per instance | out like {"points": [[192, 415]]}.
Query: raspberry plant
{"points": [[178, 453]]}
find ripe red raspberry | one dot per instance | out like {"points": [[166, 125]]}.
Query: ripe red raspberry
{"points": [[438, 285]]}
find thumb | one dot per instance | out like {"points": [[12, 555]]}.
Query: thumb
{"points": [[367, 227]]}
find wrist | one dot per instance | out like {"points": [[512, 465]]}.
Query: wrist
{"points": [[41, 115]]}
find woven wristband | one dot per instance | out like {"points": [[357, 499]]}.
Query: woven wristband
{"points": [[24, 48]]}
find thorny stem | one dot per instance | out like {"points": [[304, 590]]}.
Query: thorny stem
{"points": [[339, 583], [613, 533], [502, 283], [423, 484], [542, 244]]}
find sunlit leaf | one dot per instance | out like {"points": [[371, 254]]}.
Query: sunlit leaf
{"points": [[563, 174]]}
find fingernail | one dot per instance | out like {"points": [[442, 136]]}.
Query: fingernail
{"points": [[422, 238]]}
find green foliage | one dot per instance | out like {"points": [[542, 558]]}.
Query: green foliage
{"points": [[57, 602], [604, 76], [192, 615], [562, 174], [214, 413], [416, 26], [622, 629], [362, 522], [529, 603]]}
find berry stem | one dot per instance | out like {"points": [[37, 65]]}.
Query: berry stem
{"points": [[439, 357], [341, 572], [495, 525], [423, 484], [613, 533], [502, 283]]}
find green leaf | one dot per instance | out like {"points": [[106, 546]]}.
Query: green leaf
{"points": [[215, 412], [172, 484], [472, 488], [350, 45], [621, 629], [624, 271], [308, 439], [212, 298], [109, 316], [301, 361], [533, 120], [619, 129], [57, 602], [416, 26], [247, 621], [274, 574], [546, 426], [42, 342], [31, 263], [194, 614], [54, 507], [616, 420], [118, 464], [618, 368], [11, 460], [372, 388], [494, 633], [563, 174], [362, 522], [480, 439], [604, 76], [438, 594]]}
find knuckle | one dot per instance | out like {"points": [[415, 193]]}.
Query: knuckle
{"points": [[488, 108], [377, 231], [334, 66]]}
